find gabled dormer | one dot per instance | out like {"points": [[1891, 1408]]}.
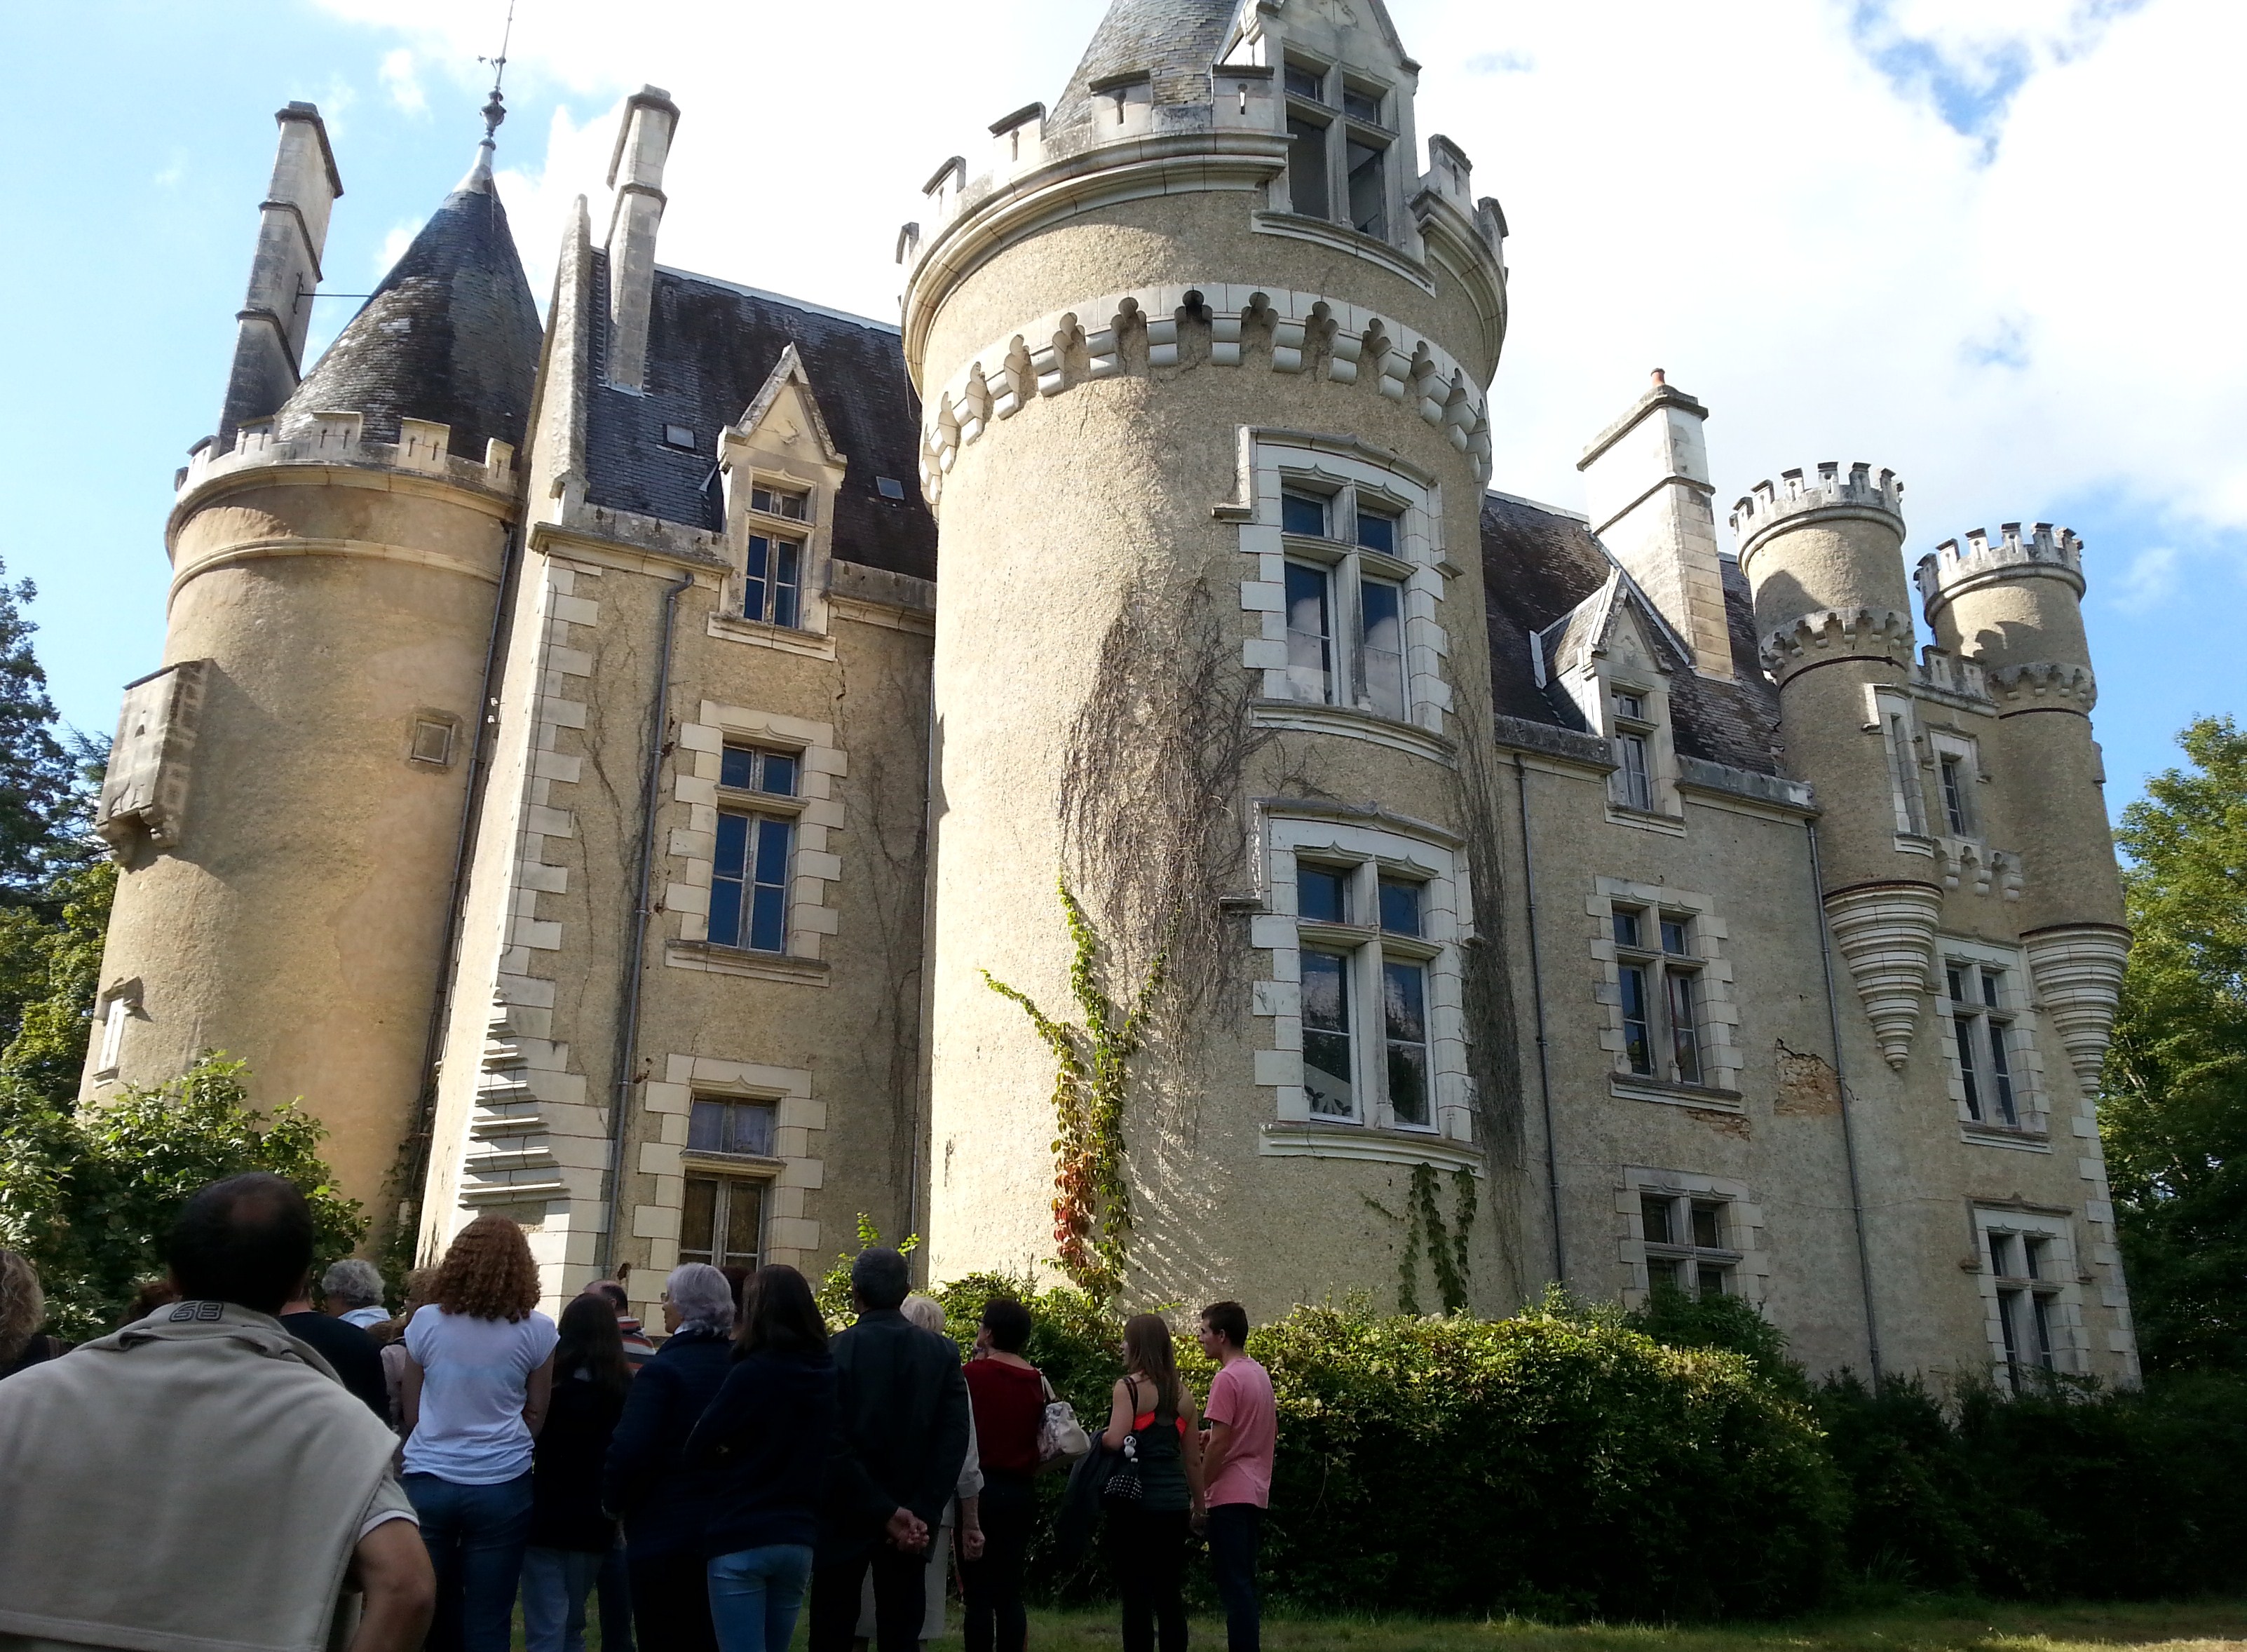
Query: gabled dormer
{"points": [[1613, 657], [780, 473]]}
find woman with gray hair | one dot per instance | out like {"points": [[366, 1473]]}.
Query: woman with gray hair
{"points": [[648, 1484], [23, 1310], [353, 1290]]}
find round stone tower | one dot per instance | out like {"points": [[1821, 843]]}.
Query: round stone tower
{"points": [[1202, 361], [1824, 554], [287, 796], [2014, 606]]}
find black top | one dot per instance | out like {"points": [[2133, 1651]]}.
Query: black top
{"points": [[901, 1427], [38, 1351], [764, 1443], [565, 1510], [356, 1356], [661, 1497]]}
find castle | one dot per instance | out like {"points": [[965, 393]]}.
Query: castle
{"points": [[625, 771]]}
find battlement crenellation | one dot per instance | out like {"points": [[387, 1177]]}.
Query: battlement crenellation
{"points": [[2044, 550], [1797, 492]]}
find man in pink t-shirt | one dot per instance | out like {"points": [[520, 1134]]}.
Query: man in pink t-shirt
{"points": [[1244, 1427]]}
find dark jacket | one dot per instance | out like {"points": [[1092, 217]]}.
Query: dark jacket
{"points": [[762, 1446], [565, 1483], [901, 1427], [644, 1482], [356, 1356]]}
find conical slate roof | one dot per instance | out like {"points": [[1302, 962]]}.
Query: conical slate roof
{"points": [[1174, 41], [452, 335]]}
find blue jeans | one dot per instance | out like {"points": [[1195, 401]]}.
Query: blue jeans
{"points": [[755, 1593], [475, 1535], [554, 1585]]}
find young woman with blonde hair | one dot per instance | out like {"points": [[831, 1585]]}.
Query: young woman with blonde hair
{"points": [[23, 1310], [478, 1373], [1147, 1531]]}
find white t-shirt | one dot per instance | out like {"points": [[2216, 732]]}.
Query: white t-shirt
{"points": [[474, 1371]]}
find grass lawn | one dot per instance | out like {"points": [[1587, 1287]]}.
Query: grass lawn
{"points": [[2200, 1626]]}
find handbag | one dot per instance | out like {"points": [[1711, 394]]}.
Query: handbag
{"points": [[1124, 1482], [1061, 1438]]}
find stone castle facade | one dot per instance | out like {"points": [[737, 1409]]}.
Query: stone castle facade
{"points": [[610, 765]]}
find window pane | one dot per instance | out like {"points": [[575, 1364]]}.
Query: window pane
{"points": [[1404, 1010], [1327, 1075], [1638, 792], [698, 1221], [2009, 1308], [1637, 1039], [1709, 1226], [729, 872], [737, 766], [757, 577], [768, 909], [745, 1211], [777, 774], [1400, 906], [1963, 1026], [1990, 987], [705, 1127], [1366, 105], [1304, 82], [2041, 1313], [1654, 1219], [1376, 531], [787, 583], [1307, 166], [1958, 979], [1954, 794], [2001, 1073], [1303, 514], [1673, 937], [749, 1128], [1685, 1026], [1662, 1273], [2001, 1255], [1310, 659], [1713, 1281], [2033, 1257], [1381, 608], [1626, 929], [1321, 894], [1631, 706], [1368, 191]]}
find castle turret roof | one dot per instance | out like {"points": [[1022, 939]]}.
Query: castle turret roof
{"points": [[451, 335], [1173, 42]]}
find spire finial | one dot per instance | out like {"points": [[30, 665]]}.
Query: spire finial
{"points": [[494, 110]]}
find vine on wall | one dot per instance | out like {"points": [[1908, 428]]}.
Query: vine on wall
{"points": [[1092, 1059], [1426, 1233]]}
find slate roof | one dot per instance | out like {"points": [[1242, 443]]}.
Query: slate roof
{"points": [[711, 346], [452, 334], [1174, 41], [1541, 567]]}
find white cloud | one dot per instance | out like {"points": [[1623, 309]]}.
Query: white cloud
{"points": [[1985, 242], [393, 248], [403, 83], [2150, 580]]}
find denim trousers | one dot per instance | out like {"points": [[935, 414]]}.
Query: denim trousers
{"points": [[755, 1593], [554, 1585], [1235, 1534], [476, 1535]]}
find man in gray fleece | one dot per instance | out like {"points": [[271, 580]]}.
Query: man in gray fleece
{"points": [[199, 1481]]}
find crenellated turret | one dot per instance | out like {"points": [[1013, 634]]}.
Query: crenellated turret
{"points": [[1824, 553], [2014, 606]]}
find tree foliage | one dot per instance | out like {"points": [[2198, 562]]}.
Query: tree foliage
{"points": [[43, 796], [89, 1194], [2174, 1115]]}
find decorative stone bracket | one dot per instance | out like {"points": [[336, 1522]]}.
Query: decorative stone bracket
{"points": [[1835, 633], [2059, 684], [2078, 976], [1886, 934]]}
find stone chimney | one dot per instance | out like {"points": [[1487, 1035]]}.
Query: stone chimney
{"points": [[292, 229], [636, 173], [1646, 482]]}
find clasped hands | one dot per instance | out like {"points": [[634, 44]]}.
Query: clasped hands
{"points": [[906, 1531]]}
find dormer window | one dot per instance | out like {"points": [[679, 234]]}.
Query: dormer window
{"points": [[1337, 169], [772, 583], [1634, 733], [678, 436]]}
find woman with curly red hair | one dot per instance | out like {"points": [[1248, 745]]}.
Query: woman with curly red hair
{"points": [[479, 1372]]}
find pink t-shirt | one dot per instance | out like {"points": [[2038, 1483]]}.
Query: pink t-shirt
{"points": [[1241, 1396]]}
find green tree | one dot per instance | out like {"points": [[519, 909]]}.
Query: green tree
{"points": [[2174, 1113], [43, 796], [88, 1194]]}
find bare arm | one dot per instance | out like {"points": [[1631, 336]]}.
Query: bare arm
{"points": [[1119, 1416], [391, 1566], [409, 1395], [537, 1395], [1195, 1478], [1216, 1450]]}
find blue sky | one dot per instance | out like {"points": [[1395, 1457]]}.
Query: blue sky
{"points": [[1973, 240]]}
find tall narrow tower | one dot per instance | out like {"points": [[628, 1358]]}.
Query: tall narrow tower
{"points": [[287, 794], [1202, 358]]}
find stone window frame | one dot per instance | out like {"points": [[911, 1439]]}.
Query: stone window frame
{"points": [[1342, 466], [1722, 1057], [1330, 111], [1947, 746], [2016, 993], [2071, 1338], [1446, 920], [1896, 720], [120, 1007], [812, 913], [1747, 1256], [796, 1170]]}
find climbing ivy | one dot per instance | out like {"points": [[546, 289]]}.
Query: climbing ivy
{"points": [[1092, 1203], [1446, 1249]]}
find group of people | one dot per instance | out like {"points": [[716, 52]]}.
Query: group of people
{"points": [[258, 1473]]}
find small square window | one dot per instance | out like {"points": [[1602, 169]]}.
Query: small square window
{"points": [[1400, 906], [1304, 514], [1631, 706], [1376, 530], [1665, 1274], [1708, 1226], [753, 768], [432, 743], [1627, 929], [888, 486], [1362, 102], [678, 436], [1674, 938], [775, 501], [1713, 1280], [1321, 894], [1304, 81], [731, 1126], [1654, 1217]]}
